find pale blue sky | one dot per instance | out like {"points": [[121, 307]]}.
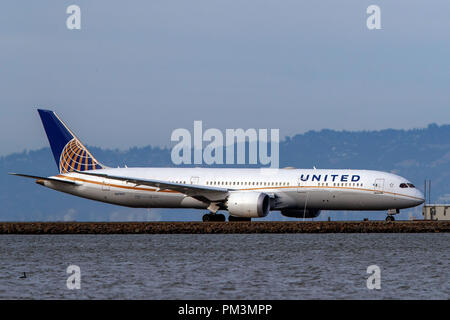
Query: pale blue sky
{"points": [[137, 70]]}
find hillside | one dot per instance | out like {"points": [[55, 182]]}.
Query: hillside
{"points": [[417, 154]]}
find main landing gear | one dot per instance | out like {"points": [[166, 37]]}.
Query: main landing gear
{"points": [[218, 217], [214, 217], [390, 217]]}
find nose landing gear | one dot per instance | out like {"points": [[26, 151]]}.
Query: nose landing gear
{"points": [[390, 218], [390, 215]]}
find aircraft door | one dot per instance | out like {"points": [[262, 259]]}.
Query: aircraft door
{"points": [[194, 180], [379, 186], [300, 183], [105, 186]]}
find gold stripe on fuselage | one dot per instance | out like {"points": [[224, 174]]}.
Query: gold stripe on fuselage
{"points": [[264, 188]]}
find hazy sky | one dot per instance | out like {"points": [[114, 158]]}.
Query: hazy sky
{"points": [[137, 70]]}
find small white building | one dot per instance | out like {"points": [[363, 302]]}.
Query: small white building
{"points": [[436, 212]]}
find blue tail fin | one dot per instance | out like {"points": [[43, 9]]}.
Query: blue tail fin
{"points": [[70, 154]]}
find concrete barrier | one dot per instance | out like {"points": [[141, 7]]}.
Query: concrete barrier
{"points": [[223, 227]]}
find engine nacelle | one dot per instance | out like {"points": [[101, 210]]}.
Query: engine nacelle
{"points": [[299, 213], [248, 204]]}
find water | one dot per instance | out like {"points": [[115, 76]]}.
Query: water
{"points": [[257, 266]]}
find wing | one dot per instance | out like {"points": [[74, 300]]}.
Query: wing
{"points": [[202, 193], [44, 178]]}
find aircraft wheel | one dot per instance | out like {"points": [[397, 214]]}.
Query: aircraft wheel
{"points": [[213, 217], [219, 217], [390, 218]]}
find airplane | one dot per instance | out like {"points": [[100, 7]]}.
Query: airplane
{"points": [[244, 193]]}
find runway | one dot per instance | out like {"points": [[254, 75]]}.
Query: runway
{"points": [[223, 227]]}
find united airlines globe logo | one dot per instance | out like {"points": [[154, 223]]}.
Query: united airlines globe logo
{"points": [[75, 157]]}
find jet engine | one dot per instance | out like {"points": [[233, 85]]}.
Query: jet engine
{"points": [[248, 204], [300, 213]]}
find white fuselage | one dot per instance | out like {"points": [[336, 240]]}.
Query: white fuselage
{"points": [[293, 188]]}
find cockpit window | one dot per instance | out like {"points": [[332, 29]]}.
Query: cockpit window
{"points": [[411, 185], [403, 185]]}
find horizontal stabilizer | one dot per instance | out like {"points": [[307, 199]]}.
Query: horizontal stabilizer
{"points": [[44, 178]]}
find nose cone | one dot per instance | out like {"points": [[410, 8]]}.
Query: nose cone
{"points": [[419, 198]]}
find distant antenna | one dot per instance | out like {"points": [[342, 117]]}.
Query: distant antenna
{"points": [[429, 191], [425, 191]]}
